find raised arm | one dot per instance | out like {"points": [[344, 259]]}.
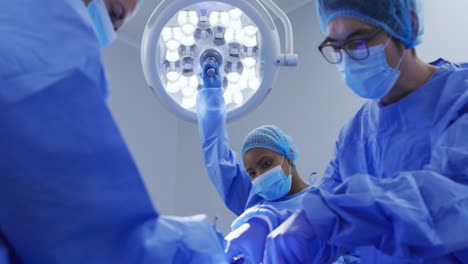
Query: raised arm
{"points": [[225, 171]]}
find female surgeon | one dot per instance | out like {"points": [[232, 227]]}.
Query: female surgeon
{"points": [[263, 189]]}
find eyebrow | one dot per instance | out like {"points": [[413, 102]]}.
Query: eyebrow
{"points": [[258, 162], [356, 33]]}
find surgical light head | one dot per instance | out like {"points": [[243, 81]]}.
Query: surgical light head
{"points": [[397, 17], [240, 37]]}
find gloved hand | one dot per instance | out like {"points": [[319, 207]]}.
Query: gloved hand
{"points": [[192, 239], [247, 241], [289, 242], [348, 258], [211, 76]]}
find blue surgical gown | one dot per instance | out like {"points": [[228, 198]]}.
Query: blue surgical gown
{"points": [[227, 174], [230, 178], [69, 189], [397, 187]]}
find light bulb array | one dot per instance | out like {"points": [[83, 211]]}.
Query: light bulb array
{"points": [[227, 30]]}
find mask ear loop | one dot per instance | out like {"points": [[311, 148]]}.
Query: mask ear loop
{"points": [[401, 59], [402, 56], [282, 159], [289, 165]]}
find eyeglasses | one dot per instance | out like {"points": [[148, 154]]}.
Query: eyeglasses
{"points": [[357, 49]]}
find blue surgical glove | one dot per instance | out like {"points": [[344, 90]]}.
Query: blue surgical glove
{"points": [[349, 258], [251, 229], [247, 241], [192, 239], [290, 242], [211, 76]]}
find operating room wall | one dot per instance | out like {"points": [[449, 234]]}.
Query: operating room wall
{"points": [[149, 129], [308, 102], [446, 31]]}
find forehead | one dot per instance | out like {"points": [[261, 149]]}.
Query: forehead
{"points": [[341, 27], [254, 154]]}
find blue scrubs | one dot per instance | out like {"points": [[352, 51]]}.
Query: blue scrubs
{"points": [[397, 188], [227, 174], [232, 181], [69, 189]]}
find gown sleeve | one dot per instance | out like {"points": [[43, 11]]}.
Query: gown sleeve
{"points": [[226, 173], [414, 213]]}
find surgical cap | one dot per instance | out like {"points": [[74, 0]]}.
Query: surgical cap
{"points": [[394, 16], [272, 138]]}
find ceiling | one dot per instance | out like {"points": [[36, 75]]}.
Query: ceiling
{"points": [[131, 33]]}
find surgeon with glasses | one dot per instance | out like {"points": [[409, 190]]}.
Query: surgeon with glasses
{"points": [[396, 189]]}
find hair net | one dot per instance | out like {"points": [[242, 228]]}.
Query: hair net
{"points": [[272, 138], [394, 16]]}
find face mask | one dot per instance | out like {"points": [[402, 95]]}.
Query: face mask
{"points": [[273, 184], [371, 78], [101, 22]]}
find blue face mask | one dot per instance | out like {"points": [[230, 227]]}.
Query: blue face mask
{"points": [[371, 78], [273, 184], [101, 22]]}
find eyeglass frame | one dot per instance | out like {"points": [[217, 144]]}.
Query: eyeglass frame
{"points": [[341, 47]]}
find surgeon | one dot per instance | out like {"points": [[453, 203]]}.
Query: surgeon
{"points": [[397, 187], [69, 189], [264, 189]]}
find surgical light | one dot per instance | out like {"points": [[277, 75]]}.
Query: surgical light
{"points": [[240, 35]]}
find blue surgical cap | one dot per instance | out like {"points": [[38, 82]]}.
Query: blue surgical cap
{"points": [[272, 138], [394, 16]]}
